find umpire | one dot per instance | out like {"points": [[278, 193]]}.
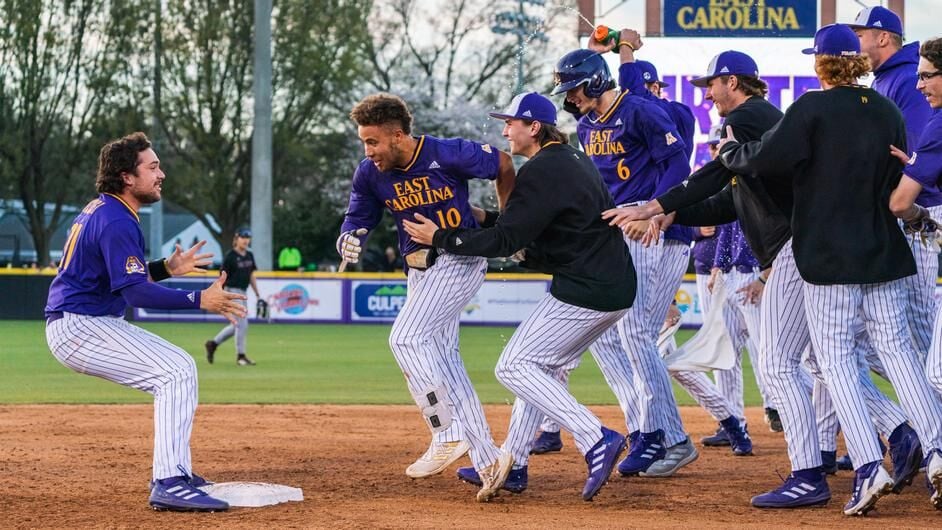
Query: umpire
{"points": [[553, 215], [831, 146]]}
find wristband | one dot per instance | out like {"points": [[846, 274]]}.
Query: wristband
{"points": [[762, 280], [158, 270], [626, 43]]}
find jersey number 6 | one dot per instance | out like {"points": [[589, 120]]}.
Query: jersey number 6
{"points": [[623, 172]]}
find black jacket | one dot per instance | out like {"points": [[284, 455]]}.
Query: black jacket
{"points": [[832, 147], [554, 213], [714, 195]]}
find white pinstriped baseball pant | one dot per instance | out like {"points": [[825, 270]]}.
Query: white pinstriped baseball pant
{"points": [[832, 309], [921, 306], [659, 270], [424, 342], [551, 337], [113, 349]]}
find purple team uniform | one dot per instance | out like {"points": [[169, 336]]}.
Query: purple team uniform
{"points": [[434, 183]]}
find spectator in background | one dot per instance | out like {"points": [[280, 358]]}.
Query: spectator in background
{"points": [[289, 259]]}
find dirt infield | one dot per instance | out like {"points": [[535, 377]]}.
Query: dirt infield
{"points": [[89, 466]]}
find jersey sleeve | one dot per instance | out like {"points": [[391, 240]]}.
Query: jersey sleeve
{"points": [[364, 210], [925, 166], [659, 132], [779, 153], [122, 249], [472, 160]]}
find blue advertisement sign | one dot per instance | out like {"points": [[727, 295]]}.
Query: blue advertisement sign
{"points": [[379, 300], [740, 18]]}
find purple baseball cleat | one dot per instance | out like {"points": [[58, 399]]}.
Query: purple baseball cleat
{"points": [[739, 439], [516, 481], [648, 448], [175, 494], [906, 455], [871, 482], [601, 460], [719, 439], [807, 487], [547, 442]]}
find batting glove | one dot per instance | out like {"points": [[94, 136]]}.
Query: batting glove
{"points": [[348, 245]]}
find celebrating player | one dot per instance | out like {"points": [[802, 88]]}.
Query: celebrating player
{"points": [[852, 184], [636, 147], [101, 273], [406, 175], [593, 282]]}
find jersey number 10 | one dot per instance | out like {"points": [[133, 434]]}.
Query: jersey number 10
{"points": [[449, 219]]}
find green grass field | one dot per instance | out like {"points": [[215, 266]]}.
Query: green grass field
{"points": [[296, 364]]}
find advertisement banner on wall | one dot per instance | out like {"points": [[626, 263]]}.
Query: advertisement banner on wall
{"points": [[740, 18], [307, 300], [504, 302]]}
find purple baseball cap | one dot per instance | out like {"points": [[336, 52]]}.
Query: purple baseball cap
{"points": [[835, 39], [649, 73], [529, 106], [729, 62], [878, 17]]}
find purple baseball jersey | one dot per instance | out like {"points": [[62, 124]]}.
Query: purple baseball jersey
{"points": [[627, 143], [434, 183], [925, 166], [104, 253]]}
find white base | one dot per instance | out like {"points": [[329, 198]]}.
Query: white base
{"points": [[253, 494]]}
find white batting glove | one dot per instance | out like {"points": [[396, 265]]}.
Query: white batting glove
{"points": [[348, 245]]}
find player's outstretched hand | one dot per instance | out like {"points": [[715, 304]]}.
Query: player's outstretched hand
{"points": [[422, 230], [620, 217], [730, 137], [217, 300], [180, 262], [900, 154], [656, 225], [635, 230]]}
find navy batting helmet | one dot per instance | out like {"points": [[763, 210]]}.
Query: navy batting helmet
{"points": [[583, 67]]}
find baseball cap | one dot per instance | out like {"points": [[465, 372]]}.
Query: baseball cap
{"points": [[244, 232], [878, 17], [649, 73], [529, 106], [716, 132], [729, 62], [835, 39]]}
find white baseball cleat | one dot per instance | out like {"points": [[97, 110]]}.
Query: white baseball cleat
{"points": [[494, 476], [437, 458], [677, 457]]}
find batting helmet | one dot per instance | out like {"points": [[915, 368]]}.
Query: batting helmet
{"points": [[583, 67]]}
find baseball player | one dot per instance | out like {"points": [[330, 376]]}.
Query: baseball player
{"points": [[405, 175], [636, 147], [101, 273], [593, 281], [923, 169], [894, 75], [852, 184], [239, 266]]}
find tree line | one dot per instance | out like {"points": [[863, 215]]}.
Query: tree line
{"points": [[77, 73]]}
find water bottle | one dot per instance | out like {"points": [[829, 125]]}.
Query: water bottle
{"points": [[604, 34]]}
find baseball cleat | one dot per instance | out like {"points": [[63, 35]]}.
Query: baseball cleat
{"points": [[829, 462], [547, 442], [810, 488], [676, 457], [720, 439], [244, 361], [210, 350], [906, 455], [516, 481], [773, 419], [601, 459], [739, 440], [493, 476], [437, 458], [871, 482], [934, 477], [647, 449], [177, 495]]}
